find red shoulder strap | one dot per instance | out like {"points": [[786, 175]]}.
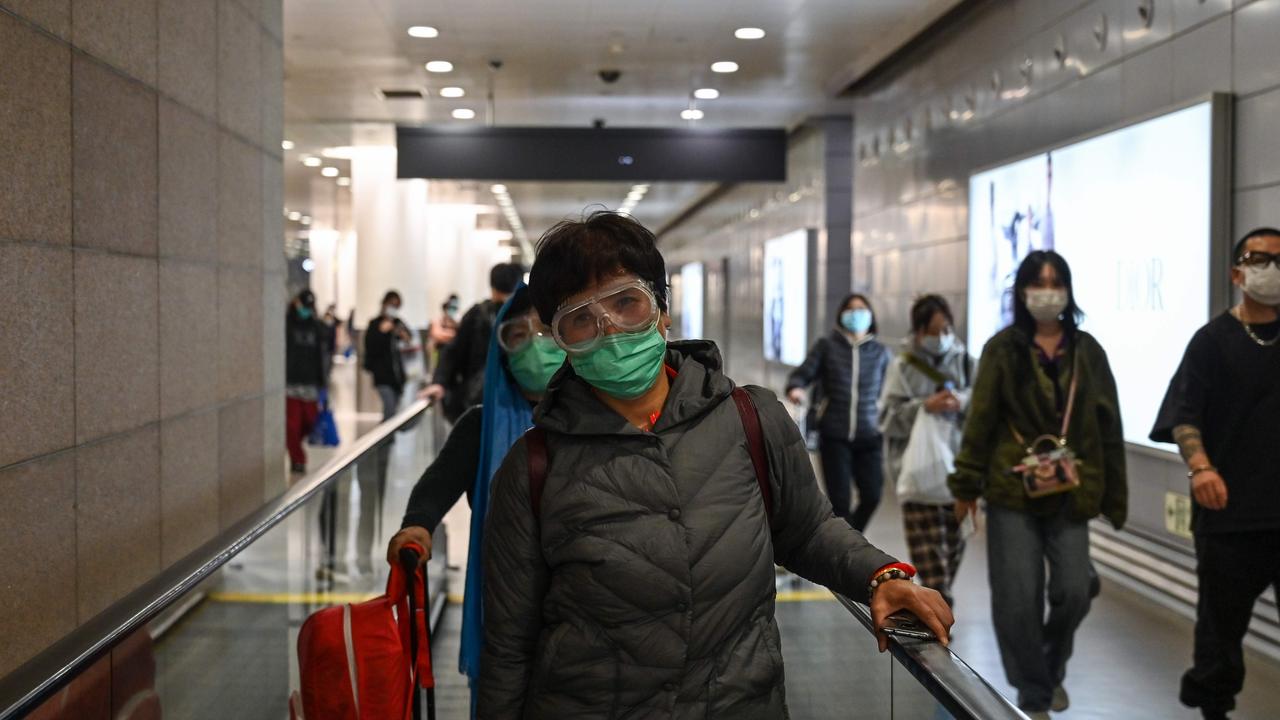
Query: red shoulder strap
{"points": [[535, 443], [755, 445]]}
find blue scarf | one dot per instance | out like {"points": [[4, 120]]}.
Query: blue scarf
{"points": [[505, 417]]}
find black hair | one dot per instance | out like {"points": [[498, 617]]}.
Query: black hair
{"points": [[504, 277], [575, 254], [307, 298], [844, 305], [392, 295], [925, 307], [1256, 232], [1028, 274], [519, 304]]}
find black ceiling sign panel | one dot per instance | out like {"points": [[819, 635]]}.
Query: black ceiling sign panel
{"points": [[587, 154]]}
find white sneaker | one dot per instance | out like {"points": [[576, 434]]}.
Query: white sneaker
{"points": [[1060, 701]]}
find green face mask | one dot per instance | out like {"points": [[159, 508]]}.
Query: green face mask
{"points": [[533, 365], [626, 365]]}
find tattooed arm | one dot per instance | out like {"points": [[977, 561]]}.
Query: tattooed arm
{"points": [[1206, 485]]}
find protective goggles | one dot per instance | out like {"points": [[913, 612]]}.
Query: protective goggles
{"points": [[629, 306], [515, 335], [1258, 259]]}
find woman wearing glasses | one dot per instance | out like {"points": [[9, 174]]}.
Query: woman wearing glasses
{"points": [[522, 359], [638, 578]]}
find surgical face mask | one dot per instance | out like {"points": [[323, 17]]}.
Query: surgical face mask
{"points": [[391, 311], [624, 365], [305, 312], [1046, 304], [939, 345], [1262, 284], [451, 309], [856, 321], [533, 365]]}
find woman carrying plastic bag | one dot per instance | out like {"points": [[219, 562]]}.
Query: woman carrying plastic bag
{"points": [[926, 393]]}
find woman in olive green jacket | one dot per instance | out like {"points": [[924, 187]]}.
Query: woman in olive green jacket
{"points": [[1023, 391]]}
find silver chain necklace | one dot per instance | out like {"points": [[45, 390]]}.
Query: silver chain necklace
{"points": [[1253, 335]]}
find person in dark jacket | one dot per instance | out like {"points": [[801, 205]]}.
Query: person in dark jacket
{"points": [[1038, 376], [382, 352], [306, 371], [459, 375], [642, 585], [516, 377], [848, 366], [1223, 410]]}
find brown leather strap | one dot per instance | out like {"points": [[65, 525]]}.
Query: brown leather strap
{"points": [[755, 445], [535, 443]]}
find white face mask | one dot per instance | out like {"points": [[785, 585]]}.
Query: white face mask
{"points": [[391, 311], [1262, 284], [938, 345], [1046, 305]]}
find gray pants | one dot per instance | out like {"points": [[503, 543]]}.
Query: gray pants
{"points": [[1034, 649]]}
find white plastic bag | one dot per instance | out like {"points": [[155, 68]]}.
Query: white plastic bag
{"points": [[927, 461]]}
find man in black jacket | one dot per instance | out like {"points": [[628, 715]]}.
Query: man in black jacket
{"points": [[459, 378], [306, 370]]}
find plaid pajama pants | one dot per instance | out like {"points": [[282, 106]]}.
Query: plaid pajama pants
{"points": [[933, 538]]}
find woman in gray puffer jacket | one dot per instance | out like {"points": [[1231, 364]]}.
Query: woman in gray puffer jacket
{"points": [[641, 584]]}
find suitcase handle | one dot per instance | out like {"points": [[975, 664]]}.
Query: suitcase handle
{"points": [[410, 556]]}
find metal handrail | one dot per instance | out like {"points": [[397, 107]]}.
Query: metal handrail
{"points": [[34, 682], [964, 693]]}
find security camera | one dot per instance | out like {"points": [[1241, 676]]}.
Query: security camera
{"points": [[610, 75], [495, 64]]}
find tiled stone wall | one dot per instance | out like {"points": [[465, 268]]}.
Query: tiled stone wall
{"points": [[142, 295]]}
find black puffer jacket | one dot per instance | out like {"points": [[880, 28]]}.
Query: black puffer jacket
{"points": [[645, 588], [830, 364]]}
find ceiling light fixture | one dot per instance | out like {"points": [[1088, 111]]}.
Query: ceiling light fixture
{"points": [[498, 189], [706, 93], [439, 66], [724, 66], [305, 219], [464, 114], [452, 92], [286, 144], [748, 33], [295, 216], [423, 31], [311, 161], [344, 182], [691, 114], [330, 172]]}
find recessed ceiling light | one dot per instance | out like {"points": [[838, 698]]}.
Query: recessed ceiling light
{"points": [[308, 264], [498, 189], [423, 31], [706, 93], [439, 66], [691, 114], [310, 161], [344, 182], [464, 114], [305, 219], [748, 33], [330, 172], [286, 144], [295, 216], [452, 92], [724, 66]]}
